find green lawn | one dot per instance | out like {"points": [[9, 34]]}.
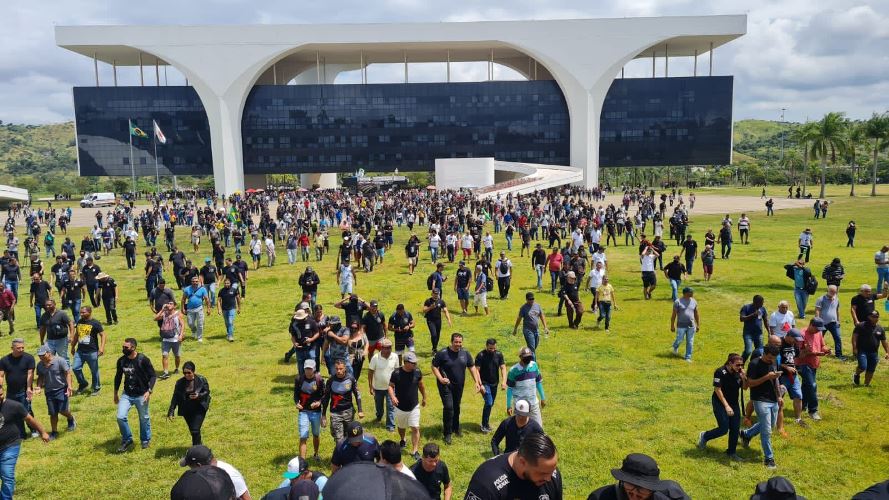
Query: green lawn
{"points": [[607, 395]]}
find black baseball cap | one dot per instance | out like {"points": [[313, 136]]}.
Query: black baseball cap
{"points": [[355, 480], [354, 432], [203, 483], [197, 455]]}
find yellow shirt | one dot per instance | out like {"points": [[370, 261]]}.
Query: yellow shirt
{"points": [[605, 293]]}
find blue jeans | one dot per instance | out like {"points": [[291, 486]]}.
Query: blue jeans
{"points": [[725, 424], [539, 270], [810, 386], [60, 346], [91, 359], [291, 255], [75, 310], [752, 343], [490, 395], [434, 253], [22, 397], [867, 361], [767, 413], [509, 243], [605, 313], [211, 290], [801, 298], [834, 329], [674, 288], [123, 408], [554, 280], [309, 421], [8, 458], [532, 338], [689, 333], [882, 275], [38, 310], [229, 318], [303, 354], [379, 397]]}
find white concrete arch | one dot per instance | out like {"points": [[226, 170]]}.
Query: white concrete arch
{"points": [[224, 63]]}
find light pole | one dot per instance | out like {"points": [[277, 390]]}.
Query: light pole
{"points": [[783, 131]]}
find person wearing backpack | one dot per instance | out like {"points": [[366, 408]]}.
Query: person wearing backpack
{"points": [[803, 282], [172, 335], [436, 280], [504, 275]]}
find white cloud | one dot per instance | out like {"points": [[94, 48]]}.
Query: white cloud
{"points": [[810, 56]]}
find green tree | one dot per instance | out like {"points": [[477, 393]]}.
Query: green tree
{"points": [[791, 162], [877, 130], [855, 137], [828, 138], [802, 135]]}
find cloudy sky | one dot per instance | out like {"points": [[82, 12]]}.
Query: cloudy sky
{"points": [[809, 56]]}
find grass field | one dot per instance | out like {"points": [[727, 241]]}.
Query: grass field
{"points": [[607, 395]]}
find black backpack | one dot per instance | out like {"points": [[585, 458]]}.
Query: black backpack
{"points": [[430, 282], [504, 266], [811, 285]]}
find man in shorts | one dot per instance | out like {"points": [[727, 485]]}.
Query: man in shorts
{"points": [[462, 284], [866, 340], [402, 325], [54, 378], [172, 335], [307, 394], [649, 277], [403, 386]]}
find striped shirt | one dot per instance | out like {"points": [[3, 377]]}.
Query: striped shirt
{"points": [[523, 381]]}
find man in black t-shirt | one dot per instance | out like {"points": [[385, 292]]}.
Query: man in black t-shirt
{"points": [[136, 372], [208, 274], [865, 302], [432, 472], [374, 324], [229, 305], [88, 274], [761, 376], [432, 309], [690, 249], [14, 416], [404, 384], [108, 293], [462, 284], [353, 307], [17, 375], [41, 291], [866, 340], [728, 382], [73, 292], [529, 473], [492, 372], [449, 367], [86, 347]]}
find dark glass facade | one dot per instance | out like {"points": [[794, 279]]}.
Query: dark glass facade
{"points": [[667, 122], [381, 127], [103, 147]]}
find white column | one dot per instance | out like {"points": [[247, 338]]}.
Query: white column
{"points": [[324, 181], [224, 118]]}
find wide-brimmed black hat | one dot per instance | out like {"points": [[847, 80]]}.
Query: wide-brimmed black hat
{"points": [[639, 470]]}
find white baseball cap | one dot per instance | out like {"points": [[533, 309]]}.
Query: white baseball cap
{"points": [[522, 408]]}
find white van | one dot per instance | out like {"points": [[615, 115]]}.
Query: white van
{"points": [[98, 200]]}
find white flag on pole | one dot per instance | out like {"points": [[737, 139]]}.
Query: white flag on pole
{"points": [[158, 134]]}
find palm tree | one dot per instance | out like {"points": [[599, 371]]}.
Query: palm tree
{"points": [[791, 162], [802, 135], [877, 129], [828, 139], [854, 138]]}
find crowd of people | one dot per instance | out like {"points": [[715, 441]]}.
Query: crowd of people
{"points": [[563, 233]]}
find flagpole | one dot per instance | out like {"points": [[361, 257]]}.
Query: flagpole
{"points": [[132, 165], [157, 175]]}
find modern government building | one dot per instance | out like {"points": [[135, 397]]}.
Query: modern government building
{"points": [[261, 99]]}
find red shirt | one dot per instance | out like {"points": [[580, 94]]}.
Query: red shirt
{"points": [[555, 261], [812, 342], [6, 299]]}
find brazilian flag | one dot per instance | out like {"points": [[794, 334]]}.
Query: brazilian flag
{"points": [[136, 131]]}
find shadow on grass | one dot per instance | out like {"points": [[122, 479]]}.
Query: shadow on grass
{"points": [[284, 379], [170, 452], [711, 454], [281, 389], [281, 460], [109, 445]]}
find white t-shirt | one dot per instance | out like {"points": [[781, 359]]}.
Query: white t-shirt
{"points": [[599, 257], [434, 241], [488, 241], [779, 322], [382, 368], [406, 471], [236, 477], [596, 276], [805, 238], [647, 262], [466, 242]]}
